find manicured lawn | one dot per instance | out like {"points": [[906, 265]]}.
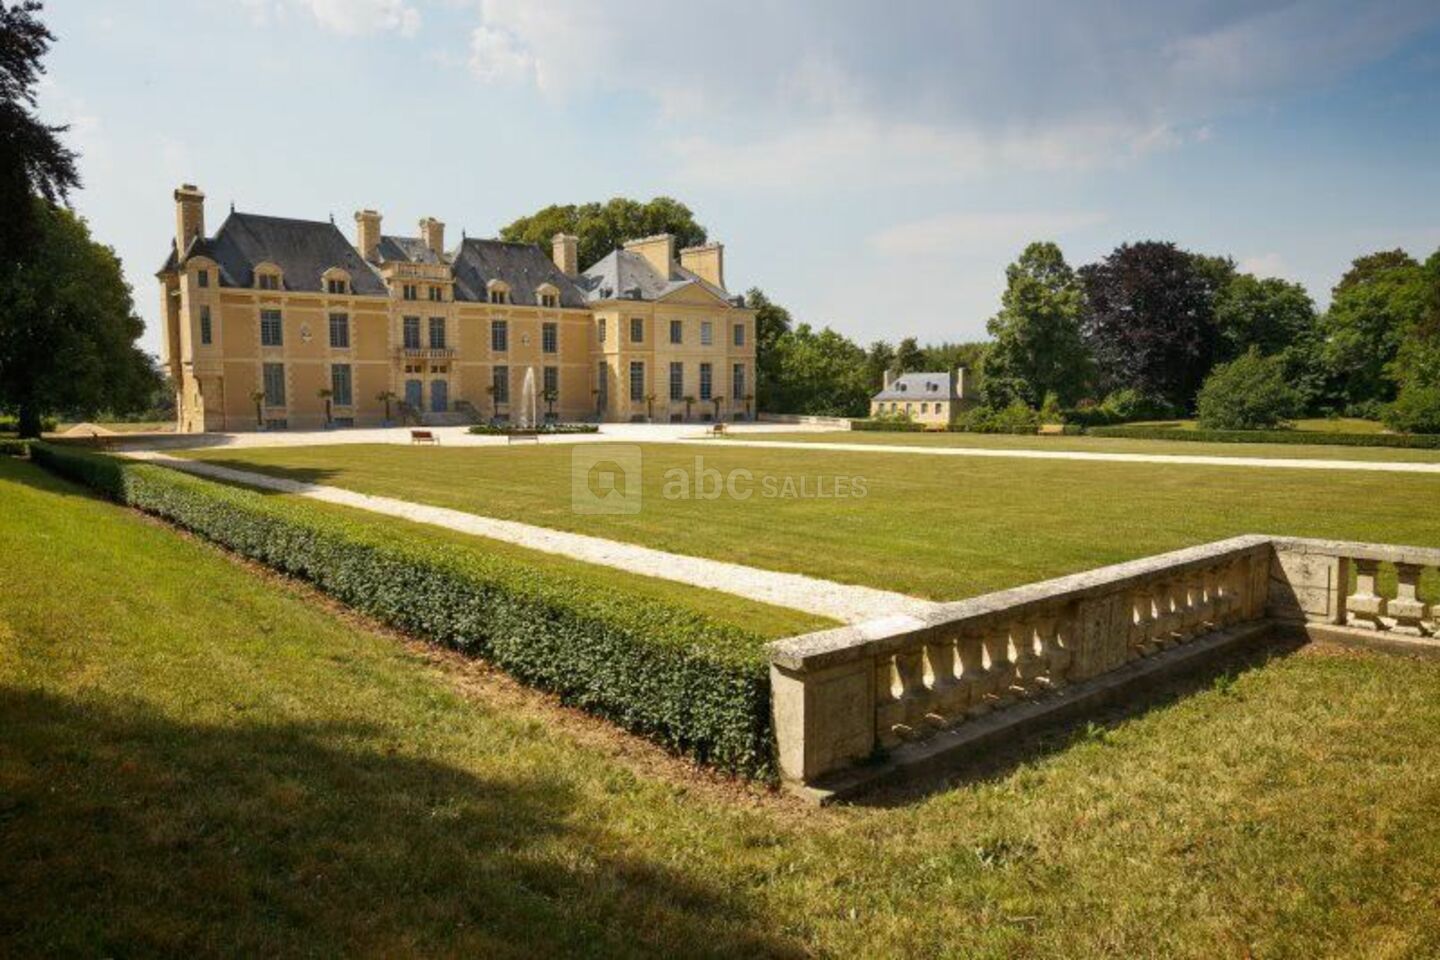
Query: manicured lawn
{"points": [[197, 760], [1083, 444], [1307, 424], [942, 527]]}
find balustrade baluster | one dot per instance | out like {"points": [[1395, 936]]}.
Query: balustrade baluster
{"points": [[974, 677], [1407, 608], [1365, 605], [1000, 667], [1142, 621], [946, 701], [1028, 665], [889, 707]]}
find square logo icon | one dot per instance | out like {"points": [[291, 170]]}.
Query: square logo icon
{"points": [[605, 478]]}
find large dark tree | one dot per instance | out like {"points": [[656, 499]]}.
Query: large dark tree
{"points": [[821, 373], [32, 159], [909, 358], [68, 327], [772, 322], [602, 227], [1150, 320]]}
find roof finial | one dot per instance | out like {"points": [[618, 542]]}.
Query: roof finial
{"points": [[332, 218], [232, 206], [462, 234]]}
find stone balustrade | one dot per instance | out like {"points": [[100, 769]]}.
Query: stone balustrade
{"points": [[842, 695], [1335, 587]]}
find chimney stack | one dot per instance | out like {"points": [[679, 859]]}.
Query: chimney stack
{"points": [[432, 231], [565, 249], [889, 378], [706, 261], [189, 216], [962, 383], [658, 250], [367, 233]]}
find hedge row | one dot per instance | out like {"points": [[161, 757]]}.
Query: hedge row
{"points": [[10, 447], [887, 426], [694, 685], [1416, 440]]}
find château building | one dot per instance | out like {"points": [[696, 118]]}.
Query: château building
{"points": [[271, 321]]}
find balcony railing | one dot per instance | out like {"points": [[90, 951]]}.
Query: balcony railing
{"points": [[427, 353]]}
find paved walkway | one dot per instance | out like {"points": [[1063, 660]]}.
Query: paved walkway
{"points": [[1384, 466], [839, 601]]}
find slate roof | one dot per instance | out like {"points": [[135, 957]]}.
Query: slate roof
{"points": [[521, 266], [302, 249], [920, 386], [413, 249], [627, 275]]}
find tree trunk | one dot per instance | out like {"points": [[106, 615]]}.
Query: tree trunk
{"points": [[29, 425]]}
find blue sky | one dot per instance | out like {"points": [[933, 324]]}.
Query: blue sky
{"points": [[872, 166]]}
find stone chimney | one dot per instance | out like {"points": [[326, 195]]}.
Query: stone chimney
{"points": [[889, 379], [432, 231], [565, 248], [659, 250], [367, 233], [189, 216], [706, 261], [962, 383]]}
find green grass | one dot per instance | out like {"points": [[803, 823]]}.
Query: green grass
{"points": [[1304, 425], [941, 527], [127, 426], [196, 760], [1084, 444]]}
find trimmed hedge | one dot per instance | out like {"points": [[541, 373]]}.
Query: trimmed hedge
{"points": [[887, 426], [489, 429], [1421, 441], [10, 447], [695, 686]]}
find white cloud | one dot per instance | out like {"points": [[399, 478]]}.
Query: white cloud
{"points": [[346, 17], [496, 56], [1264, 265], [986, 234]]}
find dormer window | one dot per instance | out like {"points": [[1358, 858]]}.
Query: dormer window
{"points": [[202, 278], [410, 291], [547, 295], [437, 294], [335, 285], [902, 387], [268, 281], [498, 292]]}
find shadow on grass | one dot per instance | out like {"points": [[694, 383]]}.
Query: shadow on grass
{"points": [[125, 832], [999, 763]]}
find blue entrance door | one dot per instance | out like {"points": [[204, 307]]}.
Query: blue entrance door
{"points": [[439, 396], [412, 393]]}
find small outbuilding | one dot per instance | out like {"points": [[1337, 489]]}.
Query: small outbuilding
{"points": [[933, 399]]}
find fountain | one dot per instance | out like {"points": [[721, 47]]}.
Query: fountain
{"points": [[527, 400]]}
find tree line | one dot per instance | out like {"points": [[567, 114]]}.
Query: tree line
{"points": [[1153, 331]]}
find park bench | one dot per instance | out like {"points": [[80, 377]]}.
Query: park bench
{"points": [[1051, 429], [423, 436], [522, 435], [715, 430]]}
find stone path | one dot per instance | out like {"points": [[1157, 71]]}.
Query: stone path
{"points": [[839, 601], [1384, 466]]}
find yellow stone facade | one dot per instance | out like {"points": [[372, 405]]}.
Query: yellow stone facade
{"points": [[254, 315]]}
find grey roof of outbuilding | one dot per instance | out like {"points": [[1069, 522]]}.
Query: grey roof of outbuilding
{"points": [[627, 275], [916, 386], [522, 267], [302, 249], [412, 249]]}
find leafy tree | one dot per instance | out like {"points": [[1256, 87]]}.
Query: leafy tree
{"points": [[1150, 319], [909, 358], [1380, 300], [1278, 318], [1417, 361], [1250, 392], [32, 159], [1038, 349], [602, 227], [772, 322], [1415, 410], [68, 327], [821, 373], [879, 360]]}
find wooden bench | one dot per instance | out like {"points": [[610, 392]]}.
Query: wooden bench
{"points": [[715, 430], [423, 436], [1051, 429], [523, 435]]}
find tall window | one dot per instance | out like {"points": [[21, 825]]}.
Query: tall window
{"points": [[677, 331], [272, 330], [707, 333], [739, 334], [437, 333], [202, 278], [340, 384], [339, 331], [205, 325], [274, 376], [677, 381], [499, 336], [412, 333], [410, 291], [737, 382], [552, 380], [500, 379], [335, 286], [602, 384], [550, 338], [600, 329], [437, 293], [705, 386], [637, 381], [637, 329]]}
